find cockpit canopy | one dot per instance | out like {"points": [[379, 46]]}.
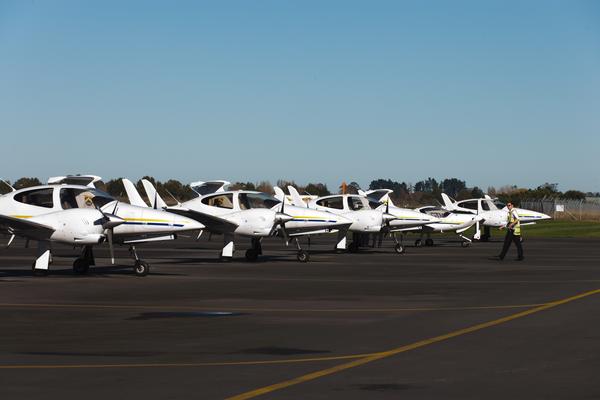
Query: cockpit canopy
{"points": [[83, 198], [353, 203], [246, 200], [67, 197]]}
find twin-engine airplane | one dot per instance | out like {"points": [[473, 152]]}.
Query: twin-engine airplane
{"points": [[491, 214], [84, 216], [251, 214], [368, 216], [445, 221]]}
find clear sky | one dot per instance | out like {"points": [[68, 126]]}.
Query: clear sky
{"points": [[494, 92]]}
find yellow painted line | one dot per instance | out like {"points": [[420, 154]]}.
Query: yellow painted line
{"points": [[384, 354], [182, 365], [21, 216], [274, 310]]}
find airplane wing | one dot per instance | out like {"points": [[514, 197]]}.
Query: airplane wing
{"points": [[22, 227], [212, 223]]}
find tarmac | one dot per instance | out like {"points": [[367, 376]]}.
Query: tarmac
{"points": [[441, 322]]}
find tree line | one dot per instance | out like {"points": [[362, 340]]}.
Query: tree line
{"points": [[425, 191]]}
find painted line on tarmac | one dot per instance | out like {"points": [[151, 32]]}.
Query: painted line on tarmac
{"points": [[265, 310], [183, 365], [385, 354]]}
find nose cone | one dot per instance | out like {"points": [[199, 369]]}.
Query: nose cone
{"points": [[282, 218]]}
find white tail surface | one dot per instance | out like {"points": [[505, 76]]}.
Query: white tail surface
{"points": [[279, 194], [296, 199], [448, 203], [156, 201], [134, 197]]}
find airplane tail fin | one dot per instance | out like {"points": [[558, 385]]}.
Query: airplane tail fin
{"points": [[279, 194], [448, 203], [134, 197], [156, 201], [296, 199]]}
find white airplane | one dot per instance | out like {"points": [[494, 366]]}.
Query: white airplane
{"points": [[254, 215], [492, 215], [84, 216], [368, 216]]}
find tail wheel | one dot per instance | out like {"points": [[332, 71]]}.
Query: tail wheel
{"points": [[399, 249], [302, 256], [141, 268]]}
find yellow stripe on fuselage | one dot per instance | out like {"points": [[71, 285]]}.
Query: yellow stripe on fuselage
{"points": [[21, 216], [146, 220]]}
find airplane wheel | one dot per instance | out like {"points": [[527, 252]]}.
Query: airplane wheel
{"points": [[141, 268], [302, 256], [251, 255], [399, 249], [465, 244], [38, 272], [429, 242], [80, 266], [418, 243], [353, 248]]}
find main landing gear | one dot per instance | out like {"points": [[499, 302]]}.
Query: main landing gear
{"points": [[256, 250], [428, 242], [81, 265]]}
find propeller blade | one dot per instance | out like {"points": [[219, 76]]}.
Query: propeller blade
{"points": [[109, 237]]}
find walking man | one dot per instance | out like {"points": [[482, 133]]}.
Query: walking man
{"points": [[513, 233]]}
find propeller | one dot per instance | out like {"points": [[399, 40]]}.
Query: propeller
{"points": [[386, 217], [279, 220], [109, 222]]}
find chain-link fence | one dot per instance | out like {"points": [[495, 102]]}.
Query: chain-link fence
{"points": [[580, 210]]}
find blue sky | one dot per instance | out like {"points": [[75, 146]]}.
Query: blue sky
{"points": [[494, 92]]}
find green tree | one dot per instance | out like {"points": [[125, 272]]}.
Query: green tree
{"points": [[26, 182], [318, 189]]}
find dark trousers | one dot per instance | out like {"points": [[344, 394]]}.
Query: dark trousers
{"points": [[512, 238]]}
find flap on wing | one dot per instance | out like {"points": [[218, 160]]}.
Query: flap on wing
{"points": [[212, 223], [24, 227]]}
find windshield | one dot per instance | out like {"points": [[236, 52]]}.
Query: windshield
{"points": [[257, 200], [83, 198], [356, 203]]}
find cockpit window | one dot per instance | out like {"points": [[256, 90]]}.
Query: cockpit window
{"points": [[36, 197], [356, 203], [257, 200], [471, 205], [332, 202], [435, 212], [83, 198], [220, 200], [374, 204]]}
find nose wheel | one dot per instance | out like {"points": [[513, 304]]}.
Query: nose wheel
{"points": [[140, 267], [302, 256], [399, 249]]}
